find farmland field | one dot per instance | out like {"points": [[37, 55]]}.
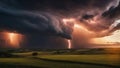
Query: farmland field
{"points": [[50, 60], [100, 59]]}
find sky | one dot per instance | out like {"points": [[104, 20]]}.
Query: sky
{"points": [[51, 23]]}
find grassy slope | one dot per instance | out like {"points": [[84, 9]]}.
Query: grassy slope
{"points": [[102, 59], [32, 62], [13, 62]]}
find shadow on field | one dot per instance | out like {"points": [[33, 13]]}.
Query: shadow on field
{"points": [[16, 66], [75, 62]]}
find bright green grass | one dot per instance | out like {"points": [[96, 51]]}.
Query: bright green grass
{"points": [[32, 62], [11, 62], [100, 59]]}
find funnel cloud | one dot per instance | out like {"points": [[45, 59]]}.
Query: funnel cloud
{"points": [[44, 19]]}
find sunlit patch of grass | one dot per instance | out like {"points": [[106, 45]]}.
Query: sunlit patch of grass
{"points": [[26, 62], [102, 59], [63, 57]]}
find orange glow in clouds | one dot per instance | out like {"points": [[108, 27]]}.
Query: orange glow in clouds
{"points": [[77, 27], [113, 38], [80, 29], [14, 39]]}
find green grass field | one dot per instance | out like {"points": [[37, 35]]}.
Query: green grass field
{"points": [[97, 59], [38, 63], [50, 60]]}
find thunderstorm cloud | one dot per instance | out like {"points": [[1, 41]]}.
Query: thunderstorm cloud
{"points": [[45, 17]]}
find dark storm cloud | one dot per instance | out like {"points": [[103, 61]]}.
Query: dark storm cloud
{"points": [[44, 17], [113, 16], [26, 21], [99, 18], [113, 12]]}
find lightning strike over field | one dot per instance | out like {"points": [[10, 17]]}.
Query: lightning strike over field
{"points": [[69, 44], [78, 28], [14, 39], [73, 23]]}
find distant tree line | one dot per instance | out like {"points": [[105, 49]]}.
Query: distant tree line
{"points": [[5, 54]]}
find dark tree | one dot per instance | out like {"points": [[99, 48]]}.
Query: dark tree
{"points": [[34, 54]]}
